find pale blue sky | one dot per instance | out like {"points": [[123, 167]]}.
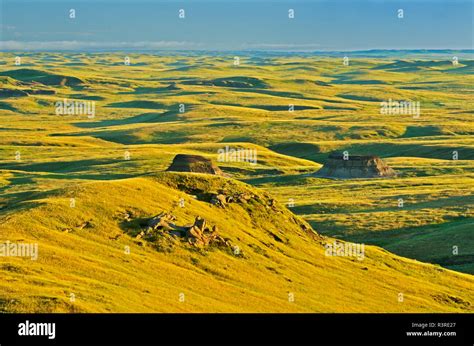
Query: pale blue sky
{"points": [[236, 25]]}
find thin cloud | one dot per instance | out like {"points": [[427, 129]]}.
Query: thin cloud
{"points": [[281, 46], [91, 45], [7, 27]]}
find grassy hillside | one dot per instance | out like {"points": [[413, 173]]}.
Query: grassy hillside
{"points": [[280, 255], [436, 214]]}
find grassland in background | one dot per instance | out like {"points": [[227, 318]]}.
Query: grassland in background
{"points": [[337, 107]]}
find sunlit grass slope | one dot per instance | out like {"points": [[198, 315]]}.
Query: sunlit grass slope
{"points": [[280, 258], [425, 213]]}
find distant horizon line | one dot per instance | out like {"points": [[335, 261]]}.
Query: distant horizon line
{"points": [[132, 50]]}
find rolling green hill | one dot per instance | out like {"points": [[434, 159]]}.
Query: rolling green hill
{"points": [[82, 251]]}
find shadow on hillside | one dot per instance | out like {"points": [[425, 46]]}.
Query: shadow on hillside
{"points": [[435, 238], [142, 118], [60, 166], [317, 153]]}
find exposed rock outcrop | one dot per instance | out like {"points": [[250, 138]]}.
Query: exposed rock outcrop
{"points": [[193, 163], [340, 166], [200, 234], [222, 200]]}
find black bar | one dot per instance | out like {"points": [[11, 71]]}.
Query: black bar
{"points": [[240, 329]]}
